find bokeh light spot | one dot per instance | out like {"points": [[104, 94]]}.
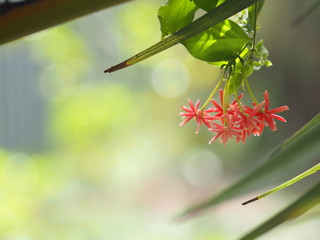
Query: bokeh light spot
{"points": [[171, 78], [201, 168]]}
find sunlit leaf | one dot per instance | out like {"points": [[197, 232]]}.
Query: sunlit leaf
{"points": [[219, 43], [296, 209], [175, 15], [208, 5], [305, 144]]}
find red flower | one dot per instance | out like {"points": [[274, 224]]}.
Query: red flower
{"points": [[230, 110], [250, 123], [219, 108], [226, 130], [237, 121], [269, 115], [200, 116]]}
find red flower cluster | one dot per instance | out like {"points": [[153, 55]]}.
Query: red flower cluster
{"points": [[233, 120]]}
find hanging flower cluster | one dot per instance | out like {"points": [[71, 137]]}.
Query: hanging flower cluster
{"points": [[233, 120]]}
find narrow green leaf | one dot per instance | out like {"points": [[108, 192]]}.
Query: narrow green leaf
{"points": [[305, 144], [296, 209], [208, 5], [175, 15], [219, 43], [301, 176], [218, 14], [312, 124]]}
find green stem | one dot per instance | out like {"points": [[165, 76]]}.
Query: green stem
{"points": [[226, 96], [286, 184], [250, 92], [213, 92], [253, 40], [237, 99], [255, 26]]}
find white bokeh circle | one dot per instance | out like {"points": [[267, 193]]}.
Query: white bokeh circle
{"points": [[171, 78]]}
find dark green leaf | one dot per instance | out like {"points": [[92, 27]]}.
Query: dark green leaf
{"points": [[311, 126], [208, 5], [28, 17], [296, 153], [175, 15], [296, 209], [221, 42]]}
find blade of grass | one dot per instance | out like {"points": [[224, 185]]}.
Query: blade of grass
{"points": [[222, 12], [286, 184], [305, 144], [296, 209]]}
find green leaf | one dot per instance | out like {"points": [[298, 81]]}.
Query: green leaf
{"points": [[241, 72], [221, 42], [312, 125], [261, 55], [262, 50], [208, 5], [296, 209], [301, 176], [218, 64], [175, 15], [224, 11], [268, 63], [286, 160]]}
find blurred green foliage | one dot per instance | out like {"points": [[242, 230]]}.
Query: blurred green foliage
{"points": [[115, 166]]}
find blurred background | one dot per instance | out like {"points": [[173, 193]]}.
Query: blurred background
{"points": [[87, 155]]}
